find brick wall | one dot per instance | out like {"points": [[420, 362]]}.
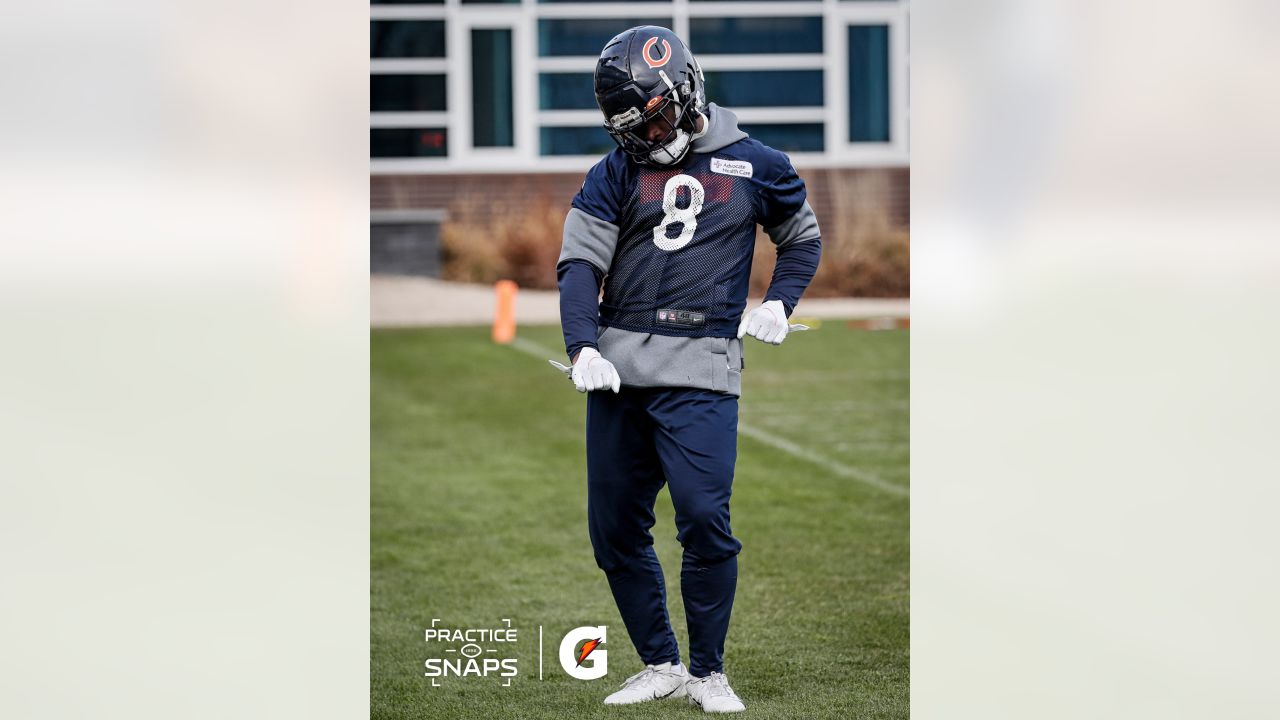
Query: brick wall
{"points": [[508, 225]]}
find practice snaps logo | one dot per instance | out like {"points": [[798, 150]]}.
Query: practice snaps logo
{"points": [[581, 655], [471, 652]]}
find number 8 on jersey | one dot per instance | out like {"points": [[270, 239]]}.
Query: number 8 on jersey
{"points": [[687, 217]]}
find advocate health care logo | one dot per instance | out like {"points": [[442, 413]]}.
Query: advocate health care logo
{"points": [[484, 652]]}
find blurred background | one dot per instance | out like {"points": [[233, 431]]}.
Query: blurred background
{"points": [[483, 123], [184, 285]]}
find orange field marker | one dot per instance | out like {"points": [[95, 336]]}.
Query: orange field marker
{"points": [[504, 318]]}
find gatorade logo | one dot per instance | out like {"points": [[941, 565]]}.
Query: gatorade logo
{"points": [[580, 655]]}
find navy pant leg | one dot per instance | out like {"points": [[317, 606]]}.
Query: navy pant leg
{"points": [[697, 444], [623, 480]]}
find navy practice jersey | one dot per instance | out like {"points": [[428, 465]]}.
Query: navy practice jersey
{"points": [[673, 249], [686, 236]]}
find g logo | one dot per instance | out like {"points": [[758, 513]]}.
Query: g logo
{"points": [[589, 663]]}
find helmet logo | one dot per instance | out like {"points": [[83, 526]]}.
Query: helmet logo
{"points": [[652, 61], [653, 101]]}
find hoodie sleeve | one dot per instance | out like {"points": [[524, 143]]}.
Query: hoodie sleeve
{"points": [[791, 224], [579, 283], [586, 253]]}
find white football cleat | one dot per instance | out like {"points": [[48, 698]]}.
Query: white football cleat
{"points": [[713, 694], [655, 682]]}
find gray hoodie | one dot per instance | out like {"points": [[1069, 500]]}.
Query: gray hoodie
{"points": [[652, 360]]}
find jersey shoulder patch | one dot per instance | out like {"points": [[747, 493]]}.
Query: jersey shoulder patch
{"points": [[738, 168], [764, 163]]}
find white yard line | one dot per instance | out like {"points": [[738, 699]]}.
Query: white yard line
{"points": [[845, 471], [821, 461], [530, 347]]}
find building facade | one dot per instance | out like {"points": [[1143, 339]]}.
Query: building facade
{"points": [[465, 86], [483, 121]]}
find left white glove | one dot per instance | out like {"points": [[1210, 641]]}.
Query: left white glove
{"points": [[592, 372], [767, 323]]}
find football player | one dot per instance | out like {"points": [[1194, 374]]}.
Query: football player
{"points": [[667, 224]]}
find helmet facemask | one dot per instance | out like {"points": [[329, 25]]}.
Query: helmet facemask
{"points": [[674, 117]]}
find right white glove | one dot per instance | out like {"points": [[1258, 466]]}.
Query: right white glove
{"points": [[592, 372], [767, 323]]}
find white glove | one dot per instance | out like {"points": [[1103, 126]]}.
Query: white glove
{"points": [[592, 372], [767, 323]]}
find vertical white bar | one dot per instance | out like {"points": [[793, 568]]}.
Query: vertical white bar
{"points": [[458, 53], [539, 652], [835, 81], [525, 76], [900, 91], [680, 22]]}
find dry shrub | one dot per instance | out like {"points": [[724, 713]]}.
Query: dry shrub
{"points": [[871, 262], [864, 253], [483, 241]]}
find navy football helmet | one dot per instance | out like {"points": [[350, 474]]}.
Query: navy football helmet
{"points": [[650, 89]]}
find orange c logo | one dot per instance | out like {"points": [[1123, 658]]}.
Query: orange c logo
{"points": [[656, 62]]}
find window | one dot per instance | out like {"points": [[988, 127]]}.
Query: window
{"points": [[738, 36], [491, 122], [566, 91], [788, 137], [426, 76], [406, 38], [557, 37], [592, 140], [406, 93], [408, 142], [765, 88], [868, 83]]}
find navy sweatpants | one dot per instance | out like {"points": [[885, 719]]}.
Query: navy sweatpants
{"points": [[637, 440]]}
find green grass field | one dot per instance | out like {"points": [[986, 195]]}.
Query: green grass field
{"points": [[479, 513]]}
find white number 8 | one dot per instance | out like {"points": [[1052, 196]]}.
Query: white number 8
{"points": [[688, 217]]}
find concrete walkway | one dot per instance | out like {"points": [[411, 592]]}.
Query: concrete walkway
{"points": [[396, 301]]}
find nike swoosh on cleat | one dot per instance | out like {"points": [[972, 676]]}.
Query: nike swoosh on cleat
{"points": [[656, 696]]}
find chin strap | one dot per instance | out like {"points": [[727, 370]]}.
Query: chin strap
{"points": [[706, 126], [674, 150]]}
